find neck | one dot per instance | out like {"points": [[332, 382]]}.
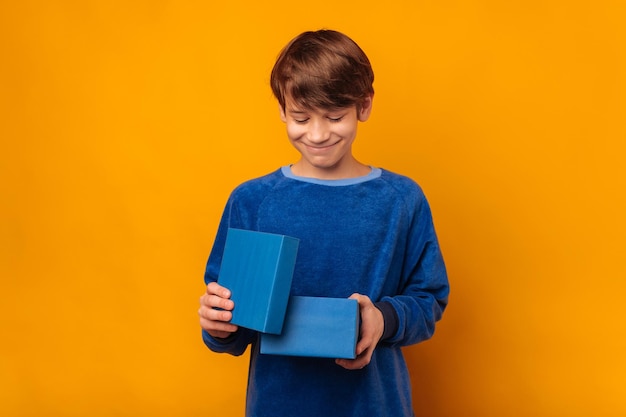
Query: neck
{"points": [[353, 170]]}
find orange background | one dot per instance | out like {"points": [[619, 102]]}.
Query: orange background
{"points": [[125, 125]]}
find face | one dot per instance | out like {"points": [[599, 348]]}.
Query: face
{"points": [[324, 139]]}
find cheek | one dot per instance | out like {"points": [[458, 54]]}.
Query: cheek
{"points": [[294, 131], [346, 131]]}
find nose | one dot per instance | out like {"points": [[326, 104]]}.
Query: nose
{"points": [[318, 132]]}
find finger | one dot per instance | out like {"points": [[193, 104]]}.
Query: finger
{"points": [[214, 301], [349, 364], [222, 303], [211, 319], [362, 346], [365, 342], [364, 333], [353, 364], [215, 288], [360, 299], [213, 314], [212, 325]]}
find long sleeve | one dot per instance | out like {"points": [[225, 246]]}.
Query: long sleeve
{"points": [[424, 296]]}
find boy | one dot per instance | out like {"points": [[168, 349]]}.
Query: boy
{"points": [[365, 233]]}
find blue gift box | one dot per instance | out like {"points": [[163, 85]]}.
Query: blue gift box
{"points": [[316, 327], [257, 268]]}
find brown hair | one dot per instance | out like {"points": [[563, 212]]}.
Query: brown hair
{"points": [[323, 69]]}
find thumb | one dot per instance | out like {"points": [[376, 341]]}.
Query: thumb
{"points": [[358, 297]]}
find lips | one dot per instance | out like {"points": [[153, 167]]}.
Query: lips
{"points": [[319, 149]]}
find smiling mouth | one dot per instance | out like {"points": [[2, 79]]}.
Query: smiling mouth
{"points": [[320, 148]]}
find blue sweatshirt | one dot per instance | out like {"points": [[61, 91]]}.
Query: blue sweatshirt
{"points": [[372, 235]]}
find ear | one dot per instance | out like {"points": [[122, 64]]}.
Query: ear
{"points": [[366, 108], [283, 117]]}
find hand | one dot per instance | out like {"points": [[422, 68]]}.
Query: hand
{"points": [[214, 321], [372, 327]]}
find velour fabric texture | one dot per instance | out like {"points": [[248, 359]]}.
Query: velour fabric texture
{"points": [[372, 235]]}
